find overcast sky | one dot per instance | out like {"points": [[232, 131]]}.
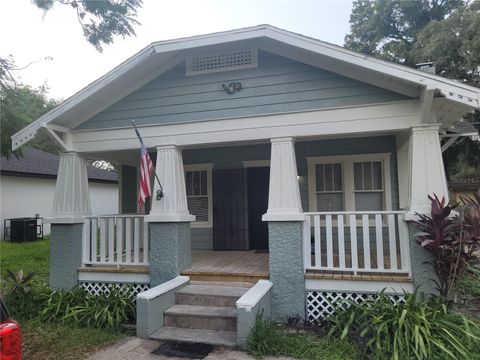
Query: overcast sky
{"points": [[30, 36]]}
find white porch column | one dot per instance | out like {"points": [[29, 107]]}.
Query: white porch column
{"points": [[71, 204], [72, 199], [427, 174], [169, 219], [173, 206], [284, 202], [285, 236]]}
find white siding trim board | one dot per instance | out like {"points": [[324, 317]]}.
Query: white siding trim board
{"points": [[352, 120]]}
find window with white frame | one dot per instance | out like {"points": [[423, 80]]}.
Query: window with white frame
{"points": [[353, 182], [198, 183]]}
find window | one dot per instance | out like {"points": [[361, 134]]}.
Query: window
{"points": [[329, 187], [198, 183], [354, 182]]}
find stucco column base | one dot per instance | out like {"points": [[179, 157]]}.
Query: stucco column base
{"points": [[286, 269], [423, 274], [65, 255], [170, 250]]}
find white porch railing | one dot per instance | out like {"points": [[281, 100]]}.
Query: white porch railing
{"points": [[357, 242], [115, 240]]}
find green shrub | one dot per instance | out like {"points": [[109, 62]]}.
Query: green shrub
{"points": [[107, 310], [469, 284], [23, 299], [418, 329], [269, 338]]}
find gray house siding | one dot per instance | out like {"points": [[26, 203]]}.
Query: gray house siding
{"points": [[232, 157], [277, 85]]}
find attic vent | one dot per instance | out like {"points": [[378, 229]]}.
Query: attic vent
{"points": [[231, 60]]}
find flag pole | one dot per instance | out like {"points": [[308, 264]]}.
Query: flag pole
{"points": [[160, 192]]}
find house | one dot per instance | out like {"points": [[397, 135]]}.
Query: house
{"points": [[286, 162], [27, 187]]}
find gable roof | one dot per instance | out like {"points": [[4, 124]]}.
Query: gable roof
{"points": [[160, 56], [38, 163]]}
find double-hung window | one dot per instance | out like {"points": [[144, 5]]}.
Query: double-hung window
{"points": [[198, 183], [348, 183]]}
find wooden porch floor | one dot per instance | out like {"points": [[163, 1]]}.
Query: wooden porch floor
{"points": [[242, 266]]}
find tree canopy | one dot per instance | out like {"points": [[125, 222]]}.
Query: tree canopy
{"points": [[389, 28], [446, 32], [19, 106], [100, 20]]}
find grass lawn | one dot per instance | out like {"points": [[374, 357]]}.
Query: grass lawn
{"points": [[49, 341]]}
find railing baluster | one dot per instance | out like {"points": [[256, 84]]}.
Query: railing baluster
{"points": [[136, 240], [111, 240], [341, 241], [119, 240], [103, 239], [353, 242], [317, 241], [128, 240], [307, 244], [86, 240], [94, 249], [145, 241], [328, 224], [392, 239], [379, 240], [404, 245], [366, 242]]}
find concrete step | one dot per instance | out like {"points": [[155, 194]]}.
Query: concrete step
{"points": [[222, 283], [201, 336], [202, 317], [209, 295]]}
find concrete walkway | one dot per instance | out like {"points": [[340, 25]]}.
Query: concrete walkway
{"points": [[139, 349]]}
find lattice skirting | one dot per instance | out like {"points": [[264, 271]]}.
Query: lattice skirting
{"points": [[97, 288], [321, 304]]}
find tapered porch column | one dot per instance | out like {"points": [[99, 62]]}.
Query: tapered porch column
{"points": [[71, 204], [426, 176], [285, 223], [169, 219], [427, 170]]}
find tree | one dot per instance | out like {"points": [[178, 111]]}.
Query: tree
{"points": [[454, 45], [100, 20], [19, 106], [389, 28], [408, 32]]}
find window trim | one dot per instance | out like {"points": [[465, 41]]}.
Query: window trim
{"points": [[208, 168], [348, 184]]}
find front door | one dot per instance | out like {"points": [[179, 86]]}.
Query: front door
{"points": [[258, 181], [229, 210]]}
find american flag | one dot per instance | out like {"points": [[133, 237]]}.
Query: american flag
{"points": [[146, 168]]}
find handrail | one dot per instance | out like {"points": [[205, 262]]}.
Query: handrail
{"points": [[381, 212]]}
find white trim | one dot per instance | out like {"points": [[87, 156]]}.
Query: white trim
{"points": [[65, 220], [346, 162], [163, 288], [256, 163], [113, 277], [376, 118], [253, 296], [208, 168], [358, 286]]}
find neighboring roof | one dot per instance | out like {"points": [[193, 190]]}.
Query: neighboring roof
{"points": [[160, 56], [44, 164]]}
